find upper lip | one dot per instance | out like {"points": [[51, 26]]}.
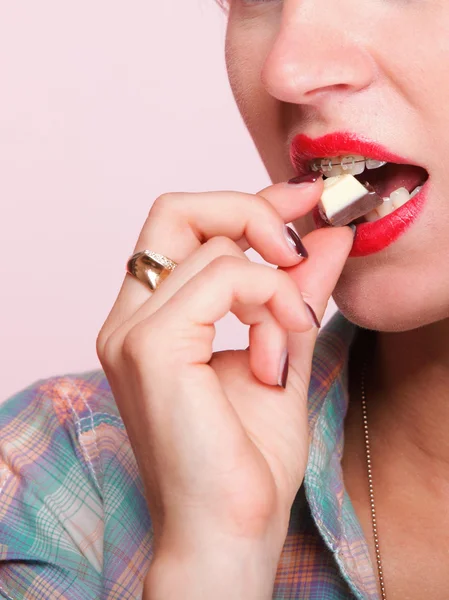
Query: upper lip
{"points": [[303, 149]]}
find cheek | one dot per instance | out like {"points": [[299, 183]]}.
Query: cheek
{"points": [[413, 52], [241, 78], [246, 49], [244, 52]]}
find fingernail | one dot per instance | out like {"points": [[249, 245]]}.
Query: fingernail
{"points": [[313, 316], [304, 179], [283, 372], [294, 241]]}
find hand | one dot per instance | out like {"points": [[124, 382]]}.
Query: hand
{"points": [[222, 449]]}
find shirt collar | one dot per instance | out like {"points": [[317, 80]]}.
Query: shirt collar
{"points": [[329, 502]]}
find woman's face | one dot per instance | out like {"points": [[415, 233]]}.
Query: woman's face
{"points": [[367, 69]]}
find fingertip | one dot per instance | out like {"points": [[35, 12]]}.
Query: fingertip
{"points": [[353, 228], [304, 185], [314, 319], [304, 180], [294, 242]]}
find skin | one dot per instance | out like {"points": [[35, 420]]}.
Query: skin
{"points": [[378, 69], [221, 447]]}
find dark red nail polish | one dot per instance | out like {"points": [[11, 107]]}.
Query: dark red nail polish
{"points": [[309, 178], [295, 241], [313, 315], [354, 228], [284, 375]]}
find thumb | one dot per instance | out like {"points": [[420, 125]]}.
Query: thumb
{"points": [[317, 277]]}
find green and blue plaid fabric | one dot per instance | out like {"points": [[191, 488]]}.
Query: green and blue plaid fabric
{"points": [[74, 524]]}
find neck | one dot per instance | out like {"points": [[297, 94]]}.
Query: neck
{"points": [[407, 388]]}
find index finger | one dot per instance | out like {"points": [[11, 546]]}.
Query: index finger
{"points": [[177, 229], [290, 204]]}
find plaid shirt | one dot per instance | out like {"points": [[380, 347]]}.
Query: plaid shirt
{"points": [[74, 524]]}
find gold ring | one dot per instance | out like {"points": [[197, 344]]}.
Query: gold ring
{"points": [[151, 268]]}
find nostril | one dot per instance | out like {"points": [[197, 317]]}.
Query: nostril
{"points": [[301, 69], [337, 88]]}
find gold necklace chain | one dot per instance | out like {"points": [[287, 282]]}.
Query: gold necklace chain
{"points": [[370, 484]]}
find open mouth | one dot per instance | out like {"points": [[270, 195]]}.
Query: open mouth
{"points": [[396, 183]]}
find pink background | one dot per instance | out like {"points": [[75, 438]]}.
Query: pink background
{"points": [[104, 105]]}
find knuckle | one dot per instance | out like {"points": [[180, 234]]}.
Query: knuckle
{"points": [[264, 207], [107, 349], [254, 200], [165, 202], [134, 344], [148, 351], [100, 344], [138, 345], [221, 245], [224, 265]]}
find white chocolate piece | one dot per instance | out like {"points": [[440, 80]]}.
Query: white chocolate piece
{"points": [[345, 199]]}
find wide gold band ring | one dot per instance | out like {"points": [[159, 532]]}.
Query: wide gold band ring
{"points": [[151, 268]]}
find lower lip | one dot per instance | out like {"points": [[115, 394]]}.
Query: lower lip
{"points": [[374, 237]]}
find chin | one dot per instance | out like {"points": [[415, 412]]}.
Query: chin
{"points": [[386, 309]]}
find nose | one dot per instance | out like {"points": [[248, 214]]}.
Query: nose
{"points": [[314, 59]]}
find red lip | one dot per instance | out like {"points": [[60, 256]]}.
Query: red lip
{"points": [[303, 149], [370, 237]]}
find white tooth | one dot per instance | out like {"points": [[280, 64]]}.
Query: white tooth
{"points": [[326, 165], [416, 191], [371, 216], [357, 168], [374, 164], [352, 164], [347, 162], [350, 158], [335, 171], [386, 208], [400, 197]]}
